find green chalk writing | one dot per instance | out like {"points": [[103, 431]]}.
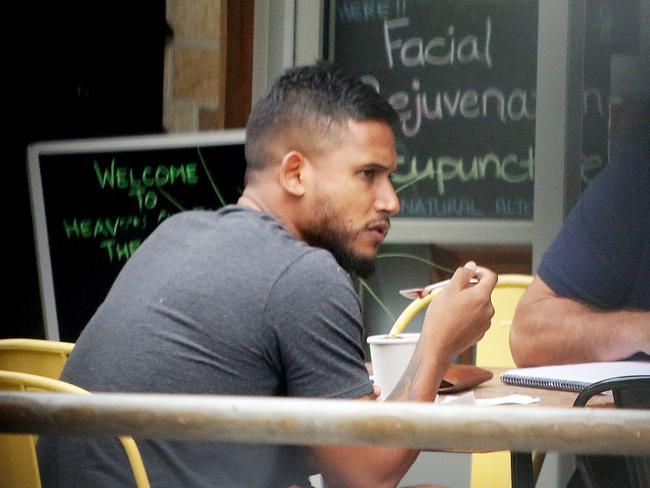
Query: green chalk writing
{"points": [[122, 177], [101, 227], [119, 251]]}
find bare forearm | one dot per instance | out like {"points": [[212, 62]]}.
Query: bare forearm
{"points": [[548, 329], [368, 466], [423, 375], [376, 466]]}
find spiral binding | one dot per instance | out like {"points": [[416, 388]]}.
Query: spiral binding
{"points": [[545, 383]]}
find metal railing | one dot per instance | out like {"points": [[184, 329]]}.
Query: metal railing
{"points": [[317, 421]]}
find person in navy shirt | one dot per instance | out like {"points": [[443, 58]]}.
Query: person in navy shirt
{"points": [[590, 300]]}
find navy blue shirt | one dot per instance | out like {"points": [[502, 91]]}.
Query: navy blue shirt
{"points": [[601, 256]]}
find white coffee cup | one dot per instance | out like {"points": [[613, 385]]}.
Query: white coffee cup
{"points": [[390, 356]]}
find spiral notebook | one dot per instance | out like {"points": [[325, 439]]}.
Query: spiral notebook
{"points": [[573, 377]]}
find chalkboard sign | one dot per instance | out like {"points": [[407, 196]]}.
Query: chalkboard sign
{"points": [[462, 76], [95, 201]]}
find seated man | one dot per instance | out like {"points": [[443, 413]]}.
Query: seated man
{"points": [[254, 299], [590, 300]]}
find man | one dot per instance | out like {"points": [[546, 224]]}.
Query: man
{"points": [[590, 300], [253, 300]]}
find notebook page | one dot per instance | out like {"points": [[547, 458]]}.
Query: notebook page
{"points": [[573, 377]]}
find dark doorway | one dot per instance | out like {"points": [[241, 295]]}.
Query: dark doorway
{"points": [[79, 69]]}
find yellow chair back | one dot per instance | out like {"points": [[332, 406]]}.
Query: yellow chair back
{"points": [[35, 356], [14, 473], [493, 350], [18, 463], [492, 470]]}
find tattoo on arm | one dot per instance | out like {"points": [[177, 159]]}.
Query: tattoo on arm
{"points": [[405, 388]]}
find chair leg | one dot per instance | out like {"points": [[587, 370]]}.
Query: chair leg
{"points": [[598, 471], [586, 471], [522, 470], [638, 469], [538, 461]]}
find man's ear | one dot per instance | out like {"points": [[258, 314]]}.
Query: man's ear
{"points": [[292, 167]]}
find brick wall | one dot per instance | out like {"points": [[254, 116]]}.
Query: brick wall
{"points": [[194, 83]]}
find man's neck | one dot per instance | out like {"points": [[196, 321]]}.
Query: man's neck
{"points": [[250, 199]]}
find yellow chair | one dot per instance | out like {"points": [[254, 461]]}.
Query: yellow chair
{"points": [[489, 470], [18, 461], [492, 470], [493, 350], [18, 466], [35, 356]]}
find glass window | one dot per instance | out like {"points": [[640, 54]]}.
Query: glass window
{"points": [[616, 95]]}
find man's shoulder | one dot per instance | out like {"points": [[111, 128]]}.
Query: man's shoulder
{"points": [[230, 219], [198, 215], [318, 264]]}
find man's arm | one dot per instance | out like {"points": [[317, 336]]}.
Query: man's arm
{"points": [[550, 329], [458, 316]]}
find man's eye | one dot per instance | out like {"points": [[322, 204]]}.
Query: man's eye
{"points": [[368, 173]]}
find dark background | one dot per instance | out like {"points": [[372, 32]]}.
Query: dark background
{"points": [[73, 69]]}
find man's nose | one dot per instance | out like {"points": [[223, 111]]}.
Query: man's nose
{"points": [[387, 201]]}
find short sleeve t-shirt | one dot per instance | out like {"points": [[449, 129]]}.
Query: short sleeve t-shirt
{"points": [[225, 303], [602, 254]]}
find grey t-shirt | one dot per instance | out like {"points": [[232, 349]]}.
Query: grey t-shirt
{"points": [[220, 302]]}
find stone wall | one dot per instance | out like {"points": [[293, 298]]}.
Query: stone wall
{"points": [[194, 78]]}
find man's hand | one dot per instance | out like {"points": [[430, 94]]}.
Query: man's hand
{"points": [[461, 313]]}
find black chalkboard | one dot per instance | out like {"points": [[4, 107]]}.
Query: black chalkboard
{"points": [[462, 75], [95, 201]]}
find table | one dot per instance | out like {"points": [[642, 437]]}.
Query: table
{"points": [[522, 463], [547, 398]]}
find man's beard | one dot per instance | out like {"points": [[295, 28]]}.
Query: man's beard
{"points": [[332, 235], [327, 238]]}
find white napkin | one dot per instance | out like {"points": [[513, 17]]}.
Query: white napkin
{"points": [[469, 399]]}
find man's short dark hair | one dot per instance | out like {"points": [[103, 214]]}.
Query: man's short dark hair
{"points": [[317, 98]]}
